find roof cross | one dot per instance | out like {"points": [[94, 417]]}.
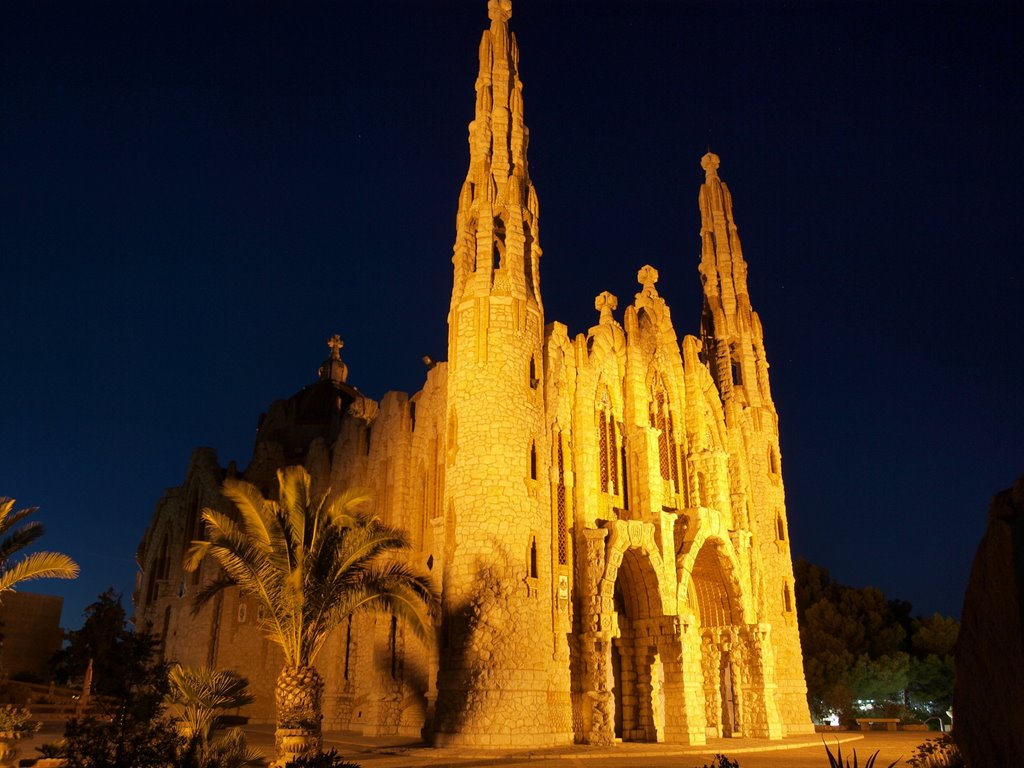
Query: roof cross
{"points": [[335, 343]]}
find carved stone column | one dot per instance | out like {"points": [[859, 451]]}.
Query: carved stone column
{"points": [[599, 627], [759, 687], [679, 647]]}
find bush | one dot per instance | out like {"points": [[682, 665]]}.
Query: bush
{"points": [[721, 761], [937, 753], [17, 720], [321, 760]]}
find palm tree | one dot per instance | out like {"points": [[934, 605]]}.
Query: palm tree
{"points": [[38, 565], [201, 695], [310, 560]]}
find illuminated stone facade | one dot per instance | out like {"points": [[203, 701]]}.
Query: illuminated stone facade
{"points": [[603, 514]]}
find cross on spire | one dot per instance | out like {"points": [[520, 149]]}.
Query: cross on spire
{"points": [[335, 343], [606, 303], [647, 277]]}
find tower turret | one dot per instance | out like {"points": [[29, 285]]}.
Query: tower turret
{"points": [[733, 345], [496, 247], [496, 686], [730, 329]]}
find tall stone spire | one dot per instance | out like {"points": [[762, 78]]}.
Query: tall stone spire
{"points": [[496, 249], [498, 579], [730, 329]]}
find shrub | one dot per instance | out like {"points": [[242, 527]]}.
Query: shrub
{"points": [[937, 753], [17, 720], [836, 761], [721, 761], [321, 760]]}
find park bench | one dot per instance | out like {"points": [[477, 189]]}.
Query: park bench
{"points": [[865, 723]]}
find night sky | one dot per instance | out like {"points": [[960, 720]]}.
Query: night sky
{"points": [[195, 196]]}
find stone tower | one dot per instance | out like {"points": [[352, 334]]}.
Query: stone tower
{"points": [[733, 347], [496, 644]]}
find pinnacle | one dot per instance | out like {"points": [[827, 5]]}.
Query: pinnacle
{"points": [[499, 10], [710, 163]]}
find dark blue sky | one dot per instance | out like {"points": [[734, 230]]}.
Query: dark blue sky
{"points": [[194, 196]]}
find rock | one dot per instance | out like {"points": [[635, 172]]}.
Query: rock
{"points": [[988, 702]]}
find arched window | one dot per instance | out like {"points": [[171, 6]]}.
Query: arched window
{"points": [[561, 511], [608, 437], [662, 420]]}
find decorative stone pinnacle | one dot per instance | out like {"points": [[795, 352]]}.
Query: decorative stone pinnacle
{"points": [[335, 343], [606, 303], [499, 10], [710, 163], [647, 277]]}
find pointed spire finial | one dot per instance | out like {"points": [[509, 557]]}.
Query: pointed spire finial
{"points": [[710, 163], [499, 10]]}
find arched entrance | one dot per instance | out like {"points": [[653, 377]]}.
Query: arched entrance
{"points": [[715, 592], [638, 670]]}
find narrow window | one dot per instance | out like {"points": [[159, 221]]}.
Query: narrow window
{"points": [[498, 251], [348, 645], [562, 522], [625, 487], [613, 454], [780, 528], [737, 373], [394, 647], [533, 557], [787, 599], [533, 460], [412, 417], [603, 454], [534, 381]]}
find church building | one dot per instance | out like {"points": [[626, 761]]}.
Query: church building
{"points": [[603, 514]]}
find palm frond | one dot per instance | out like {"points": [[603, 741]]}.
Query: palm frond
{"points": [[9, 517], [38, 565], [194, 555], [208, 591], [256, 511], [19, 539]]}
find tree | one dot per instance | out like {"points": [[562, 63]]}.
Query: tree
{"points": [[132, 731], [859, 646], [201, 695], [37, 565], [310, 560], [101, 640]]}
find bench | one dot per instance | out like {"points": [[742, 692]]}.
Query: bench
{"points": [[865, 723]]}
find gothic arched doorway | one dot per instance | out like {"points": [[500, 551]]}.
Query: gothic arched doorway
{"points": [[637, 667], [715, 593]]}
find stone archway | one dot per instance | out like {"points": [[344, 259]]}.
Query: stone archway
{"points": [[716, 596], [638, 670], [629, 620]]}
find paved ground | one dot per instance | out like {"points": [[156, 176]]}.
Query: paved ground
{"points": [[797, 752]]}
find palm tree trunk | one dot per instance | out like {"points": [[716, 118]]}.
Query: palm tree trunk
{"points": [[299, 714]]}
